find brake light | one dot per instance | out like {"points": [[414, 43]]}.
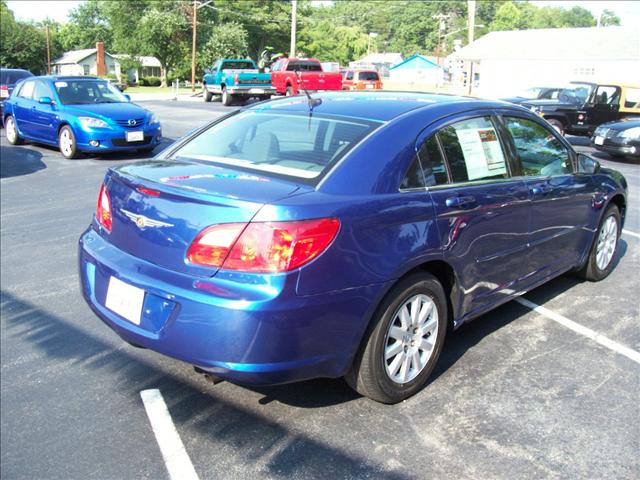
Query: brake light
{"points": [[4, 91], [148, 191], [266, 247], [103, 209], [236, 78]]}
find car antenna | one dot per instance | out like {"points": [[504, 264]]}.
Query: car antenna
{"points": [[313, 102]]}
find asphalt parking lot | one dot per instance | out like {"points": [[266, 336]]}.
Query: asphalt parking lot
{"points": [[516, 394]]}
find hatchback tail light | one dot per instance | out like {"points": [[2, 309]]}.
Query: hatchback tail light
{"points": [[4, 91], [266, 247], [103, 209]]}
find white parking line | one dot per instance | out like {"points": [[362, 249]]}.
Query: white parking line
{"points": [[175, 456], [633, 234], [582, 330]]}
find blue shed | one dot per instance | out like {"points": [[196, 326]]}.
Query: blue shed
{"points": [[417, 69]]}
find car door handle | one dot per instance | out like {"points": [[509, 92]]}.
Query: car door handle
{"points": [[541, 190], [461, 202]]}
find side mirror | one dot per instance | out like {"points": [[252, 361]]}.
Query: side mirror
{"points": [[127, 96], [586, 164], [45, 100]]}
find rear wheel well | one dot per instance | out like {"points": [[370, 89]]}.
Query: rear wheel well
{"points": [[445, 274], [618, 201]]}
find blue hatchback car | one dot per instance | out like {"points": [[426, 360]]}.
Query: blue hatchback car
{"points": [[78, 114], [342, 235]]}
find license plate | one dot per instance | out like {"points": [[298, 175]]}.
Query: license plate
{"points": [[135, 136], [599, 140], [256, 90], [370, 86], [125, 300]]}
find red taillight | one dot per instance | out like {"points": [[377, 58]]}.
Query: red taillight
{"points": [[236, 78], [263, 247], [103, 209], [4, 91]]}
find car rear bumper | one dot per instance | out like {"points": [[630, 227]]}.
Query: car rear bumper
{"points": [[115, 139], [251, 329], [248, 90]]}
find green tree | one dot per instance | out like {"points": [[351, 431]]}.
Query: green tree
{"points": [[22, 44], [228, 40], [508, 17], [330, 42], [608, 18], [88, 23]]}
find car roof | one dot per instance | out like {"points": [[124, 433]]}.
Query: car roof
{"points": [[62, 78], [378, 106]]}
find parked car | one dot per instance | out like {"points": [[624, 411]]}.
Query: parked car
{"points": [[534, 93], [618, 139], [361, 80], [8, 79], [79, 114], [290, 75], [582, 106], [342, 237], [236, 79]]}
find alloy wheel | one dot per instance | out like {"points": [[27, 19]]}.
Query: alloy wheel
{"points": [[411, 338], [607, 240]]}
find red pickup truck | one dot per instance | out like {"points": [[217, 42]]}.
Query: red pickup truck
{"points": [[290, 75]]}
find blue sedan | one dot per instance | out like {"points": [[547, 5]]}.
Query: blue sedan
{"points": [[78, 114], [343, 235]]}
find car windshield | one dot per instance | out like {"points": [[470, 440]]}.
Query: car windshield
{"points": [[368, 76], [575, 93], [300, 146], [77, 92], [530, 93], [237, 66], [11, 77]]}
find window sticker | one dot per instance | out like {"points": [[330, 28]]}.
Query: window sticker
{"points": [[482, 153], [61, 84]]}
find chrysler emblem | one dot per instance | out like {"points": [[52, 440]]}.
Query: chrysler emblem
{"points": [[144, 222], [132, 122]]}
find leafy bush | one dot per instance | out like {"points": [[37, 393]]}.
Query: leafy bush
{"points": [[149, 82]]}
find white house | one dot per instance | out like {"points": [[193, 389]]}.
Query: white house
{"points": [[417, 69], [149, 67], [509, 61], [90, 61]]}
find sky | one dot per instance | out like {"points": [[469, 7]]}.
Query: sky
{"points": [[627, 10]]}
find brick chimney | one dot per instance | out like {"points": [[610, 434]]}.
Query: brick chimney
{"points": [[101, 66]]}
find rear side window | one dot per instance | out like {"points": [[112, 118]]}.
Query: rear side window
{"points": [[26, 91], [632, 98], [539, 151], [292, 145], [304, 66], [607, 95], [473, 150], [414, 177], [349, 75], [435, 172]]}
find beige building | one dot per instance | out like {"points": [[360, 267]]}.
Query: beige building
{"points": [[508, 61], [90, 61]]}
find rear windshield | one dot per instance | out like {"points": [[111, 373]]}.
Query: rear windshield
{"points": [[10, 77], [304, 66], [292, 145], [368, 76], [238, 66]]}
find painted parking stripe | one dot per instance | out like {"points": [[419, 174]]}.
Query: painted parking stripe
{"points": [[582, 330], [633, 234], [175, 456]]}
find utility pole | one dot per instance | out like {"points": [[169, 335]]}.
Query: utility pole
{"points": [[442, 26], [46, 32], [193, 46], [471, 15], [294, 16]]}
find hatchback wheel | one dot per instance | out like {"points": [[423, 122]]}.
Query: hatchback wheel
{"points": [[605, 245], [404, 341], [12, 131], [67, 143]]}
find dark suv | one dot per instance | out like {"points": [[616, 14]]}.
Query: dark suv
{"points": [[582, 106], [8, 79]]}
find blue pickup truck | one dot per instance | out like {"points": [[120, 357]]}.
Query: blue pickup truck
{"points": [[236, 79]]}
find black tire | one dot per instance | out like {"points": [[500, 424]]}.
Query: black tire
{"points": [[591, 271], [368, 374], [227, 98], [71, 152], [11, 131], [289, 91], [206, 94], [558, 125]]}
